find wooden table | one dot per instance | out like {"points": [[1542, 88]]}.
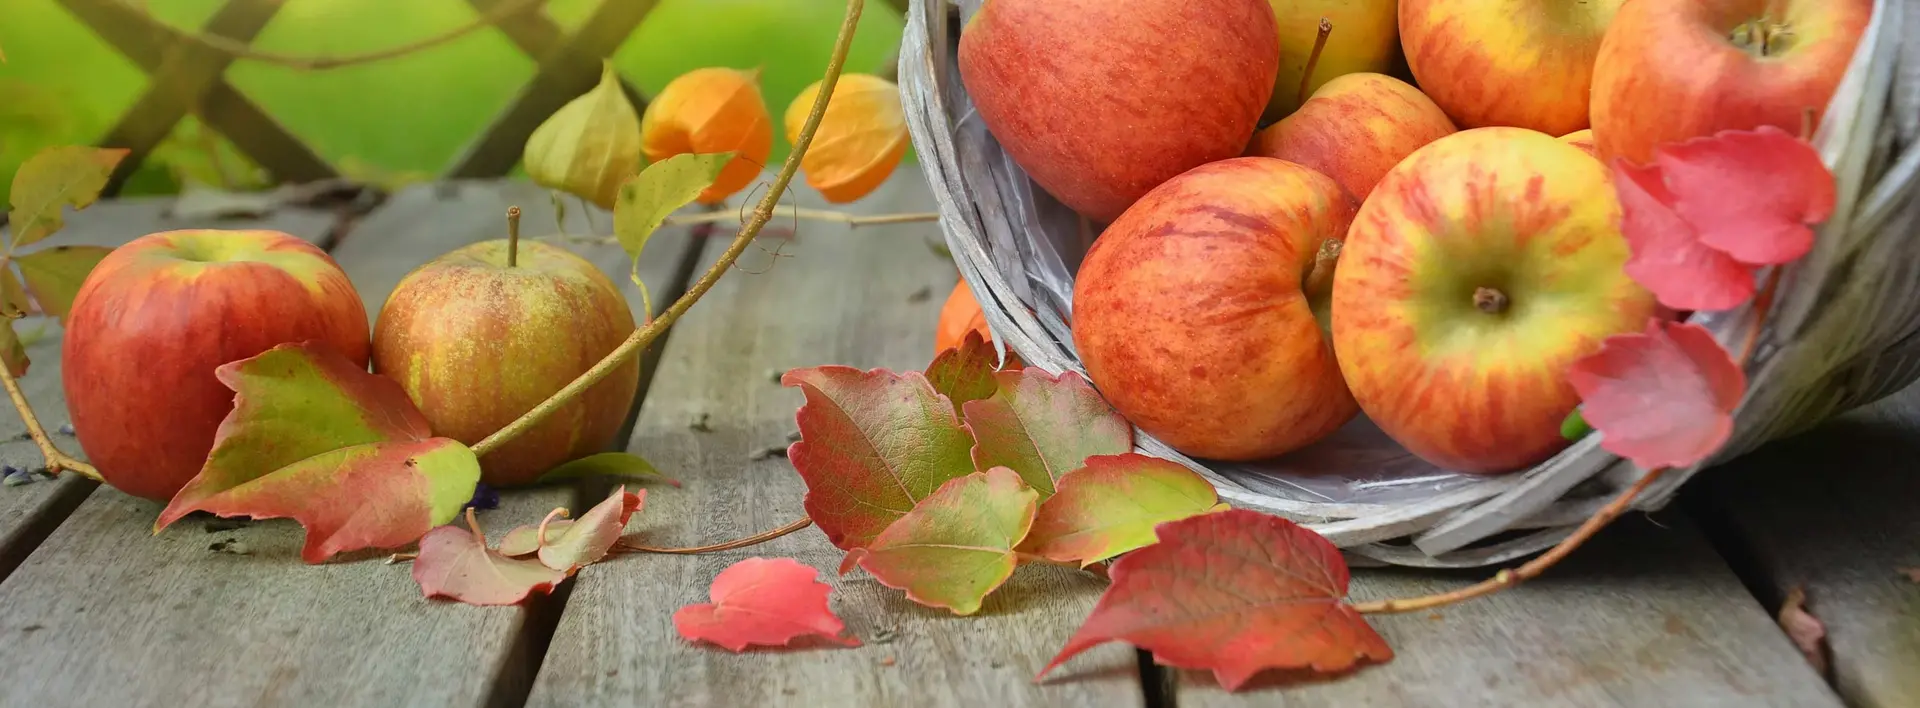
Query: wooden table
{"points": [[1674, 609]]}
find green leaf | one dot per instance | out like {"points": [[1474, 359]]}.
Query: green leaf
{"points": [[55, 275], [1044, 426], [13, 298], [294, 402], [1112, 506], [964, 373], [66, 175], [659, 190], [623, 465], [1575, 426], [376, 495], [12, 351], [956, 546]]}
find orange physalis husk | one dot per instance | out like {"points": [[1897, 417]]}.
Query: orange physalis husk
{"points": [[712, 110], [589, 146], [861, 139]]}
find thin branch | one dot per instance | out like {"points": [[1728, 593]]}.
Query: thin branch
{"points": [[240, 50], [56, 460], [837, 217], [756, 539]]}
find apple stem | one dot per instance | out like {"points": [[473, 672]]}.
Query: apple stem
{"points": [[57, 461], [513, 236], [758, 538], [749, 229], [1490, 300], [1313, 59], [1319, 279]]}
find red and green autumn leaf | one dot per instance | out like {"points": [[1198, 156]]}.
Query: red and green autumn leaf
{"points": [[762, 601], [964, 373], [1235, 592], [1112, 506], [1661, 398], [587, 540], [956, 546], [456, 564], [1043, 426]]}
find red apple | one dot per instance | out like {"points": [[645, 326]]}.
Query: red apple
{"points": [[476, 343], [159, 314], [1198, 314], [1483, 266], [1670, 70], [1522, 63], [1355, 128], [1102, 100], [1582, 139]]}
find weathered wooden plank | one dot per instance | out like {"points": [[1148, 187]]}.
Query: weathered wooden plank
{"points": [[1645, 615], [1832, 511], [105, 613], [864, 298], [536, 34]]}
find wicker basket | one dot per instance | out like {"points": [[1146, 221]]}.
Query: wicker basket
{"points": [[1845, 330]]}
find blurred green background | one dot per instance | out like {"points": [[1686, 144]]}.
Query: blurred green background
{"points": [[399, 120]]}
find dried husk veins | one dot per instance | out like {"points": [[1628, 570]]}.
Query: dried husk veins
{"points": [[589, 146], [712, 110], [861, 139]]}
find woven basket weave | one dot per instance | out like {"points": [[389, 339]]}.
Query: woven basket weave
{"points": [[1845, 330]]}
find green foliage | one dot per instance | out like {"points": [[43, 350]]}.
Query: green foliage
{"points": [[51, 181], [659, 190], [605, 464]]}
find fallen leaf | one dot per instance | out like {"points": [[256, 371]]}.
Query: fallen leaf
{"points": [[606, 464], [873, 444], [53, 178], [1661, 398], [769, 602], [662, 188], [1665, 253], [956, 546], [524, 540], [1112, 506], [1044, 426], [712, 110], [964, 373], [590, 146], [293, 402], [1752, 194], [375, 495], [55, 274], [861, 139], [1236, 592], [455, 563], [1809, 635], [587, 540]]}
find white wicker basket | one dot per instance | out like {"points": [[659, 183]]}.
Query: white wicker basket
{"points": [[1845, 330]]}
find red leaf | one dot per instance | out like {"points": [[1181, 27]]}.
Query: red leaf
{"points": [[1661, 398], [872, 445], [1750, 194], [1236, 592], [964, 373], [956, 546], [1044, 426], [587, 540], [455, 563], [769, 602], [1667, 257]]}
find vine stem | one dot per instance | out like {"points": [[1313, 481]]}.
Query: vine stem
{"points": [[748, 230], [241, 50], [56, 460], [827, 215], [1506, 578], [759, 538]]}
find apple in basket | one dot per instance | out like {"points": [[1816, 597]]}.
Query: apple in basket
{"points": [[1670, 70], [1364, 36], [1102, 100], [1524, 63], [1483, 266], [154, 319], [1199, 312], [1355, 128]]}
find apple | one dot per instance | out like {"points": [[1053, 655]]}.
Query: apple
{"points": [[477, 340], [1355, 128], [1365, 37], [1670, 70], [1483, 266], [154, 319], [1102, 100], [1198, 313], [1582, 139], [1521, 63]]}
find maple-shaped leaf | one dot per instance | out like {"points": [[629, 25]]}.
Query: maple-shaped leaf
{"points": [[956, 546], [1751, 194], [1665, 253], [1112, 506], [455, 563], [872, 444], [55, 178], [763, 601], [293, 402], [376, 495], [1661, 398], [588, 538], [55, 274], [1044, 426], [1236, 592], [964, 373]]}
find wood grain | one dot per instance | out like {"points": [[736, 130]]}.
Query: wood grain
{"points": [[866, 298], [1832, 511], [105, 613], [1645, 615]]}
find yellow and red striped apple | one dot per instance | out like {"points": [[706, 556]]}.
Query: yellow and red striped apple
{"points": [[1198, 312], [476, 343], [159, 314], [1354, 129], [1521, 63], [1677, 69], [1482, 267]]}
